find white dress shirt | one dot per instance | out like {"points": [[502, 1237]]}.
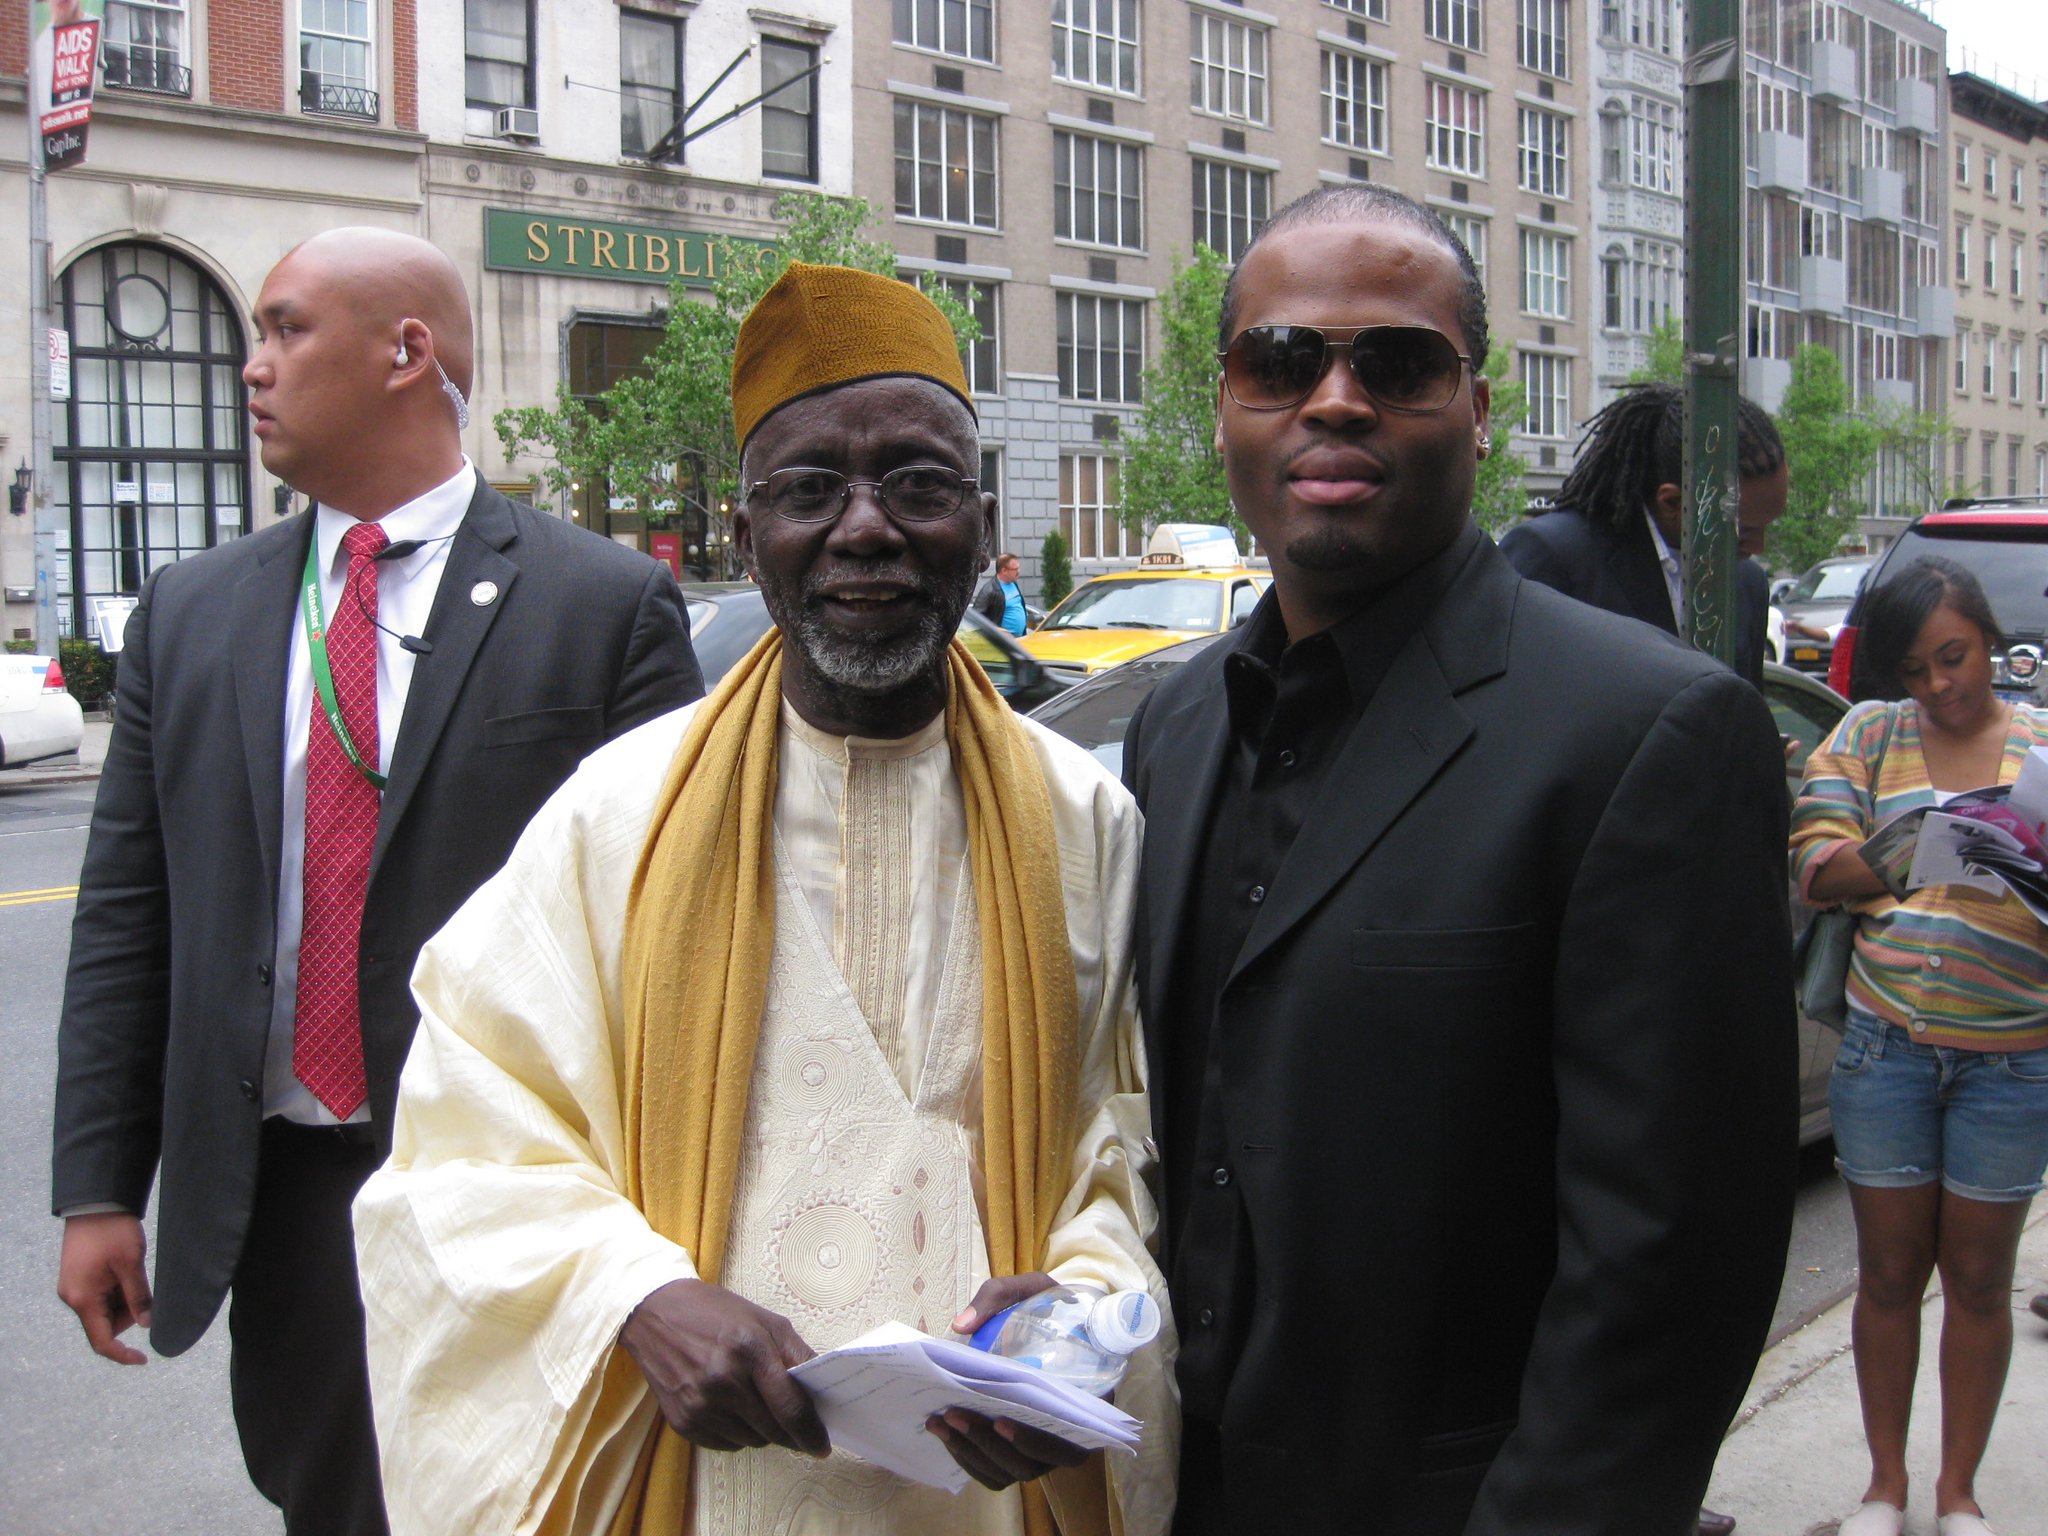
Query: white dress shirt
{"points": [[1674, 572], [405, 596]]}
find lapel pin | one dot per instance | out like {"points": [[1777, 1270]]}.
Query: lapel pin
{"points": [[484, 593]]}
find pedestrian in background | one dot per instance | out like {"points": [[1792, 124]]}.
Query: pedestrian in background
{"points": [[1464, 966], [1613, 538], [328, 734], [1940, 1088], [1001, 599]]}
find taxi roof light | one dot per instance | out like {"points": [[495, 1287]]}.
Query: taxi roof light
{"points": [[1194, 546]]}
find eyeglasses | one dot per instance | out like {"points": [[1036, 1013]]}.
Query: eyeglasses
{"points": [[1408, 368], [915, 493]]}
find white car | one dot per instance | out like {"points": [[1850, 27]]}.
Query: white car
{"points": [[38, 716]]}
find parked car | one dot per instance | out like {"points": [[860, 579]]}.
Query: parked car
{"points": [[38, 716], [2004, 541], [1814, 607], [1096, 713], [727, 617]]}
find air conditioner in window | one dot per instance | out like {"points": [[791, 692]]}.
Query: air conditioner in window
{"points": [[518, 123]]}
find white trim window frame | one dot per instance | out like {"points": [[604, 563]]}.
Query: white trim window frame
{"points": [[1227, 68], [2041, 371], [1091, 496], [960, 29], [1653, 145], [1095, 43], [150, 40], [2015, 348], [1962, 385], [1459, 23], [1546, 274], [1371, 10], [1098, 191], [1354, 101], [1470, 228], [984, 359], [1099, 344], [1547, 379], [337, 42], [1230, 203], [1544, 142], [946, 161], [1543, 37], [1455, 126]]}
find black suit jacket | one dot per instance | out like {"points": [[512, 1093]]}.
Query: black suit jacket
{"points": [[1621, 573], [1509, 1076], [167, 1004]]}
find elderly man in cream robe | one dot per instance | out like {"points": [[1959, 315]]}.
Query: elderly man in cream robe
{"points": [[797, 1011]]}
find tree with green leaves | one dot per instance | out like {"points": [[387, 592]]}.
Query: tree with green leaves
{"points": [[1499, 499], [1172, 472], [664, 435], [1828, 453], [1666, 363], [1055, 570], [1916, 442]]}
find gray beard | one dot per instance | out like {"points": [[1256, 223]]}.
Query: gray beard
{"points": [[878, 667]]}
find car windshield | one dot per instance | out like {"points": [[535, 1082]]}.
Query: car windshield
{"points": [[1141, 602], [1096, 714], [1829, 583], [2012, 563]]}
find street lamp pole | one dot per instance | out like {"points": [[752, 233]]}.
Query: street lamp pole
{"points": [[1713, 317], [39, 366]]}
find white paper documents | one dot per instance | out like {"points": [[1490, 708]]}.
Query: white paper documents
{"points": [[875, 1394]]}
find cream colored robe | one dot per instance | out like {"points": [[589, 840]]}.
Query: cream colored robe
{"points": [[499, 1256]]}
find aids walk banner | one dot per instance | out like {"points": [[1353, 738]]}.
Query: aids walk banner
{"points": [[62, 57]]}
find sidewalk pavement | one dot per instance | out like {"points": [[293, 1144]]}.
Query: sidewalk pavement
{"points": [[1795, 1465], [81, 767]]}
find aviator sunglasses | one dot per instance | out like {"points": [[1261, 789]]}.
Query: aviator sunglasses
{"points": [[1400, 367]]}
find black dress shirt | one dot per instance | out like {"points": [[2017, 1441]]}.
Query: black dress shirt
{"points": [[1292, 710]]}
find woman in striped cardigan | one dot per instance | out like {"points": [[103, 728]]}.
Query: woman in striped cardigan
{"points": [[1940, 1090]]}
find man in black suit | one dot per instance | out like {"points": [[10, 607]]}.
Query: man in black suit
{"points": [[1613, 538], [328, 734], [1471, 1045]]}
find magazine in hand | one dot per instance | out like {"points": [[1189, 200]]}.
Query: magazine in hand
{"points": [[1993, 839]]}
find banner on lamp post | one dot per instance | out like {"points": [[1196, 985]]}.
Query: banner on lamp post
{"points": [[62, 59], [60, 364]]}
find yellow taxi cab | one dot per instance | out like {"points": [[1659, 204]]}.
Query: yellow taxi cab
{"points": [[1191, 581]]}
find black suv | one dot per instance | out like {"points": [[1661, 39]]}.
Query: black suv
{"points": [[2004, 541]]}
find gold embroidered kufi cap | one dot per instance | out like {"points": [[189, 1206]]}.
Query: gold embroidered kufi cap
{"points": [[820, 327]]}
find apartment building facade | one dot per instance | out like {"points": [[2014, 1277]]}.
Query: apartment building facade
{"points": [[1847, 215], [224, 132], [1998, 385]]}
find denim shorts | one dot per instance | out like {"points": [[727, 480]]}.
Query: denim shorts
{"points": [[1908, 1114]]}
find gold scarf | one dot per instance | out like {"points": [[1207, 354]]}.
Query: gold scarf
{"points": [[700, 928]]}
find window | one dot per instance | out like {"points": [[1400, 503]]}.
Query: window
{"points": [[2019, 183], [143, 46], [498, 52], [1090, 501], [984, 358], [1373, 10], [1986, 448], [1653, 24], [1652, 144], [1096, 189], [1230, 202], [1773, 332], [2041, 471], [335, 68], [650, 83], [1548, 381], [1095, 43], [1546, 275], [1227, 68], [1471, 232], [789, 118], [1962, 254], [1990, 365], [2013, 348], [1991, 171], [1962, 361], [2041, 371], [1453, 21], [1962, 162], [1100, 345], [963, 28], [1990, 259], [1542, 38], [945, 165], [1354, 101], [1639, 288], [1456, 128], [2019, 284], [2012, 466], [1545, 140]]}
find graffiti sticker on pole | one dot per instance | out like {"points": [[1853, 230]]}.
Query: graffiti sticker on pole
{"points": [[66, 49]]}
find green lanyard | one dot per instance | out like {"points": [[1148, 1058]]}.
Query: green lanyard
{"points": [[323, 674]]}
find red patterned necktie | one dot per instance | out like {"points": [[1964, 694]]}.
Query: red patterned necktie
{"points": [[341, 830]]}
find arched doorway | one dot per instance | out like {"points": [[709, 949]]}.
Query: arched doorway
{"points": [[152, 449]]}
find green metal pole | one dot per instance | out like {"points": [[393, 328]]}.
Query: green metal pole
{"points": [[1713, 316]]}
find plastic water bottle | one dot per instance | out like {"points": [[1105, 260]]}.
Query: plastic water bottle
{"points": [[1075, 1333]]}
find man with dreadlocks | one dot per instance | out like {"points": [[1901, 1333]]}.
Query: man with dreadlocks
{"points": [[1612, 539]]}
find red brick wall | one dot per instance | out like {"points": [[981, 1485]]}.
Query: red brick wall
{"points": [[246, 53], [14, 40], [405, 64]]}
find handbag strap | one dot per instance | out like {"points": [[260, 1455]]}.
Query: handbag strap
{"points": [[1891, 720]]}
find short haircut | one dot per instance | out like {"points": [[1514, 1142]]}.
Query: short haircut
{"points": [[1894, 614], [1005, 558], [1637, 443], [1364, 202]]}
